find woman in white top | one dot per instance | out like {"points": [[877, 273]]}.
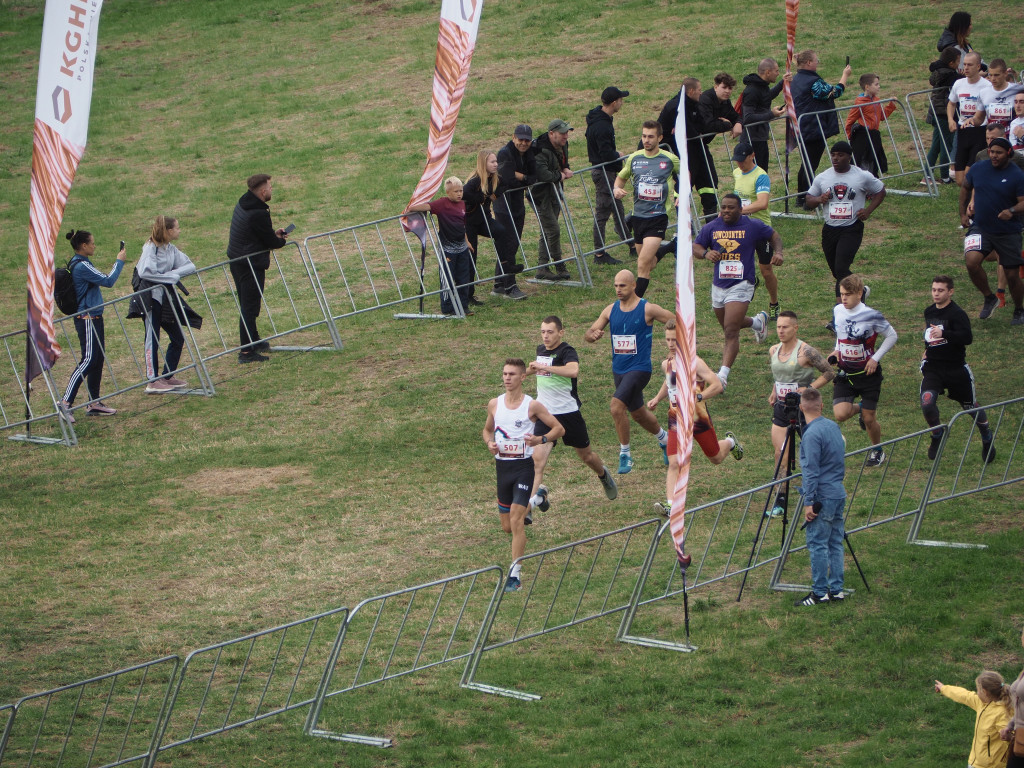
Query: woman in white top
{"points": [[162, 265]]}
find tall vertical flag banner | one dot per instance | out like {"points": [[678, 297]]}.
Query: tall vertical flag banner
{"points": [[792, 124], [456, 41], [63, 98], [685, 363]]}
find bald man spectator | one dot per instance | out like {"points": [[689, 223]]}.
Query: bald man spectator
{"points": [[601, 152], [758, 95], [814, 100], [552, 169], [965, 99]]}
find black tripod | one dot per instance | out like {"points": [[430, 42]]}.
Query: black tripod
{"points": [[792, 406]]}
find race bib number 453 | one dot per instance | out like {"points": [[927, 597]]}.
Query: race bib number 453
{"points": [[653, 193]]}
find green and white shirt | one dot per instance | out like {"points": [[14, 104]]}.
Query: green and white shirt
{"points": [[652, 178]]}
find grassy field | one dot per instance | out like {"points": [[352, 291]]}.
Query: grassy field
{"points": [[320, 479]]}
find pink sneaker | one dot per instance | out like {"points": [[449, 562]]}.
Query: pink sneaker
{"points": [[158, 387], [65, 411], [177, 383], [99, 409]]}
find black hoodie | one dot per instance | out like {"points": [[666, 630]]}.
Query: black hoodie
{"points": [[757, 106], [601, 140]]}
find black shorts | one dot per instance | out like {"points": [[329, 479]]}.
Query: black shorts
{"points": [[846, 389], [649, 227], [956, 381], [576, 435], [969, 142], [629, 388], [763, 249], [779, 416], [515, 483], [1007, 245]]}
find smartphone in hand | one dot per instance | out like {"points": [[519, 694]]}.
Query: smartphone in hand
{"points": [[289, 229], [122, 246]]}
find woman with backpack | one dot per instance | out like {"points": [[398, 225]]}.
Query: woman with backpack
{"points": [[161, 266], [88, 323]]}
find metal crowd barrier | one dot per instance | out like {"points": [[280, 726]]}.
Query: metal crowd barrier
{"points": [[900, 143], [104, 721], [291, 305], [570, 584], [18, 408], [944, 147], [137, 714], [238, 682], [403, 632], [378, 265], [961, 452]]}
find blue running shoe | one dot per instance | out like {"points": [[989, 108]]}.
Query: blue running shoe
{"points": [[625, 463], [513, 584]]}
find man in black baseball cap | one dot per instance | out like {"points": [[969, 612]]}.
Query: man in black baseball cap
{"points": [[607, 162]]}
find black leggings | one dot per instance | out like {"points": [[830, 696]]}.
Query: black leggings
{"points": [[840, 245]]}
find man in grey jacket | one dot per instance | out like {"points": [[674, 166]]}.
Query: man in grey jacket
{"points": [[552, 169]]}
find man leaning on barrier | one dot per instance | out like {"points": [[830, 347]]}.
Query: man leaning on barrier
{"points": [[758, 95], [552, 169], [823, 463], [252, 236], [517, 169], [601, 152]]}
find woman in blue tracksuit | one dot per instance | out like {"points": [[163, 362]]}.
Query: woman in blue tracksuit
{"points": [[89, 322]]}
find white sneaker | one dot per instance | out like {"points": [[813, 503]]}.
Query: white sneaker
{"points": [[760, 327]]}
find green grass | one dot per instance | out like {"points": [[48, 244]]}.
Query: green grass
{"points": [[321, 479]]}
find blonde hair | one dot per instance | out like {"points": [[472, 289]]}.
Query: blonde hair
{"points": [[488, 181], [160, 228], [452, 181], [992, 684]]}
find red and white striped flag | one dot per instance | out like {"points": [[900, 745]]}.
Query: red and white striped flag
{"points": [[685, 363], [63, 100], [792, 12], [456, 40]]}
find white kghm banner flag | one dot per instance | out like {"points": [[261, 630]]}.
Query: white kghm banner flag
{"points": [[456, 40], [63, 98], [685, 363]]}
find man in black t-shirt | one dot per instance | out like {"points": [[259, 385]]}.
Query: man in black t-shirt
{"points": [[944, 368]]}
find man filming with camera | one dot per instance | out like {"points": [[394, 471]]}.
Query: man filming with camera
{"points": [[822, 461], [795, 365]]}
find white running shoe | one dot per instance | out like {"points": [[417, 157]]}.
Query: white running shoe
{"points": [[760, 327]]}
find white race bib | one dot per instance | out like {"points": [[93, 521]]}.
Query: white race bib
{"points": [[781, 390], [544, 360], [653, 193], [624, 344], [730, 270], [972, 243], [511, 448], [744, 202], [999, 111], [934, 336], [852, 352], [968, 106], [840, 211]]}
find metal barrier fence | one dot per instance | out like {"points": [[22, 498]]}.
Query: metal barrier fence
{"points": [[941, 142], [961, 451], [571, 584], [899, 148], [104, 721], [404, 632], [137, 714], [375, 265], [291, 303], [18, 408], [238, 682]]}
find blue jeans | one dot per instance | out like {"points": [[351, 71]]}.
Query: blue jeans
{"points": [[825, 545], [460, 265]]}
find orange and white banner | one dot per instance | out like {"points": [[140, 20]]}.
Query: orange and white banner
{"points": [[456, 40], [63, 99], [685, 363], [793, 125]]}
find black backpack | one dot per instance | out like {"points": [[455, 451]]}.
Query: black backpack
{"points": [[64, 292]]}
